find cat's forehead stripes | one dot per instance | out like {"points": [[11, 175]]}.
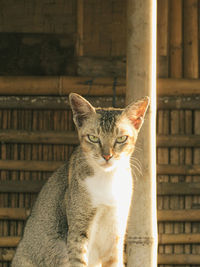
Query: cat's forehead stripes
{"points": [[108, 119]]}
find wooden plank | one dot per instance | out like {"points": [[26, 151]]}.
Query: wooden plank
{"points": [[162, 38], [60, 85], [178, 188], [101, 67], [162, 188], [88, 86], [80, 28], [176, 86], [163, 24], [39, 137], [30, 165], [179, 215], [179, 259], [176, 38], [179, 238], [13, 241], [178, 169], [71, 138], [178, 140], [21, 186], [163, 215], [191, 56], [14, 213], [9, 241], [7, 255]]}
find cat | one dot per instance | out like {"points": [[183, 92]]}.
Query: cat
{"points": [[79, 218]]}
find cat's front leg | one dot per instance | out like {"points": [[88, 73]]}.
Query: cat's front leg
{"points": [[115, 259], [77, 243]]}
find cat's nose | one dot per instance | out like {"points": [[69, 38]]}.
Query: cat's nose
{"points": [[107, 156]]}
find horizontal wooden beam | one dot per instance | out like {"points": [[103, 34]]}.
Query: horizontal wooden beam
{"points": [[50, 166], [60, 85], [21, 186], [169, 169], [163, 215], [55, 102], [39, 137], [163, 239], [178, 188], [174, 259], [102, 86], [14, 213], [178, 140], [179, 215], [71, 138], [162, 188], [9, 241], [30, 165], [179, 259], [61, 102], [173, 86]]}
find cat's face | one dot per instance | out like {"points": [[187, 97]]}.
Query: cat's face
{"points": [[107, 136]]}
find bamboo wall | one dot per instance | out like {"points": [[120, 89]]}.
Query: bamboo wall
{"points": [[37, 133]]}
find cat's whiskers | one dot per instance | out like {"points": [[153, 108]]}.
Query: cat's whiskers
{"points": [[136, 164]]}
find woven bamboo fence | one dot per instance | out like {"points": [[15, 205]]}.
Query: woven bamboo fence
{"points": [[35, 141]]}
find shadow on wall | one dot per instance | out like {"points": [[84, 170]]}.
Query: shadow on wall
{"points": [[36, 54]]}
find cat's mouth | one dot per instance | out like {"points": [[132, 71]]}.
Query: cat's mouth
{"points": [[108, 165]]}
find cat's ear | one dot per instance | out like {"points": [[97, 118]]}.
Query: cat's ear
{"points": [[81, 108], [136, 111]]}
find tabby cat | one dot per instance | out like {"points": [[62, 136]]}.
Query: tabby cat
{"points": [[80, 216]]}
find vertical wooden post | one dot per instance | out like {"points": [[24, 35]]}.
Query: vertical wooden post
{"points": [[141, 81]]}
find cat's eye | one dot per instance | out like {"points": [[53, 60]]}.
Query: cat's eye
{"points": [[121, 139], [93, 138]]}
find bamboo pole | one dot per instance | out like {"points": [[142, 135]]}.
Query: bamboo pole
{"points": [[59, 85], [141, 81], [88, 86]]}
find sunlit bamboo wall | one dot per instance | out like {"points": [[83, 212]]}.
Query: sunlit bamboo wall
{"points": [[178, 57], [27, 158]]}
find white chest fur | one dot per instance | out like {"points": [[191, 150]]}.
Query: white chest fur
{"points": [[110, 188], [110, 194]]}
